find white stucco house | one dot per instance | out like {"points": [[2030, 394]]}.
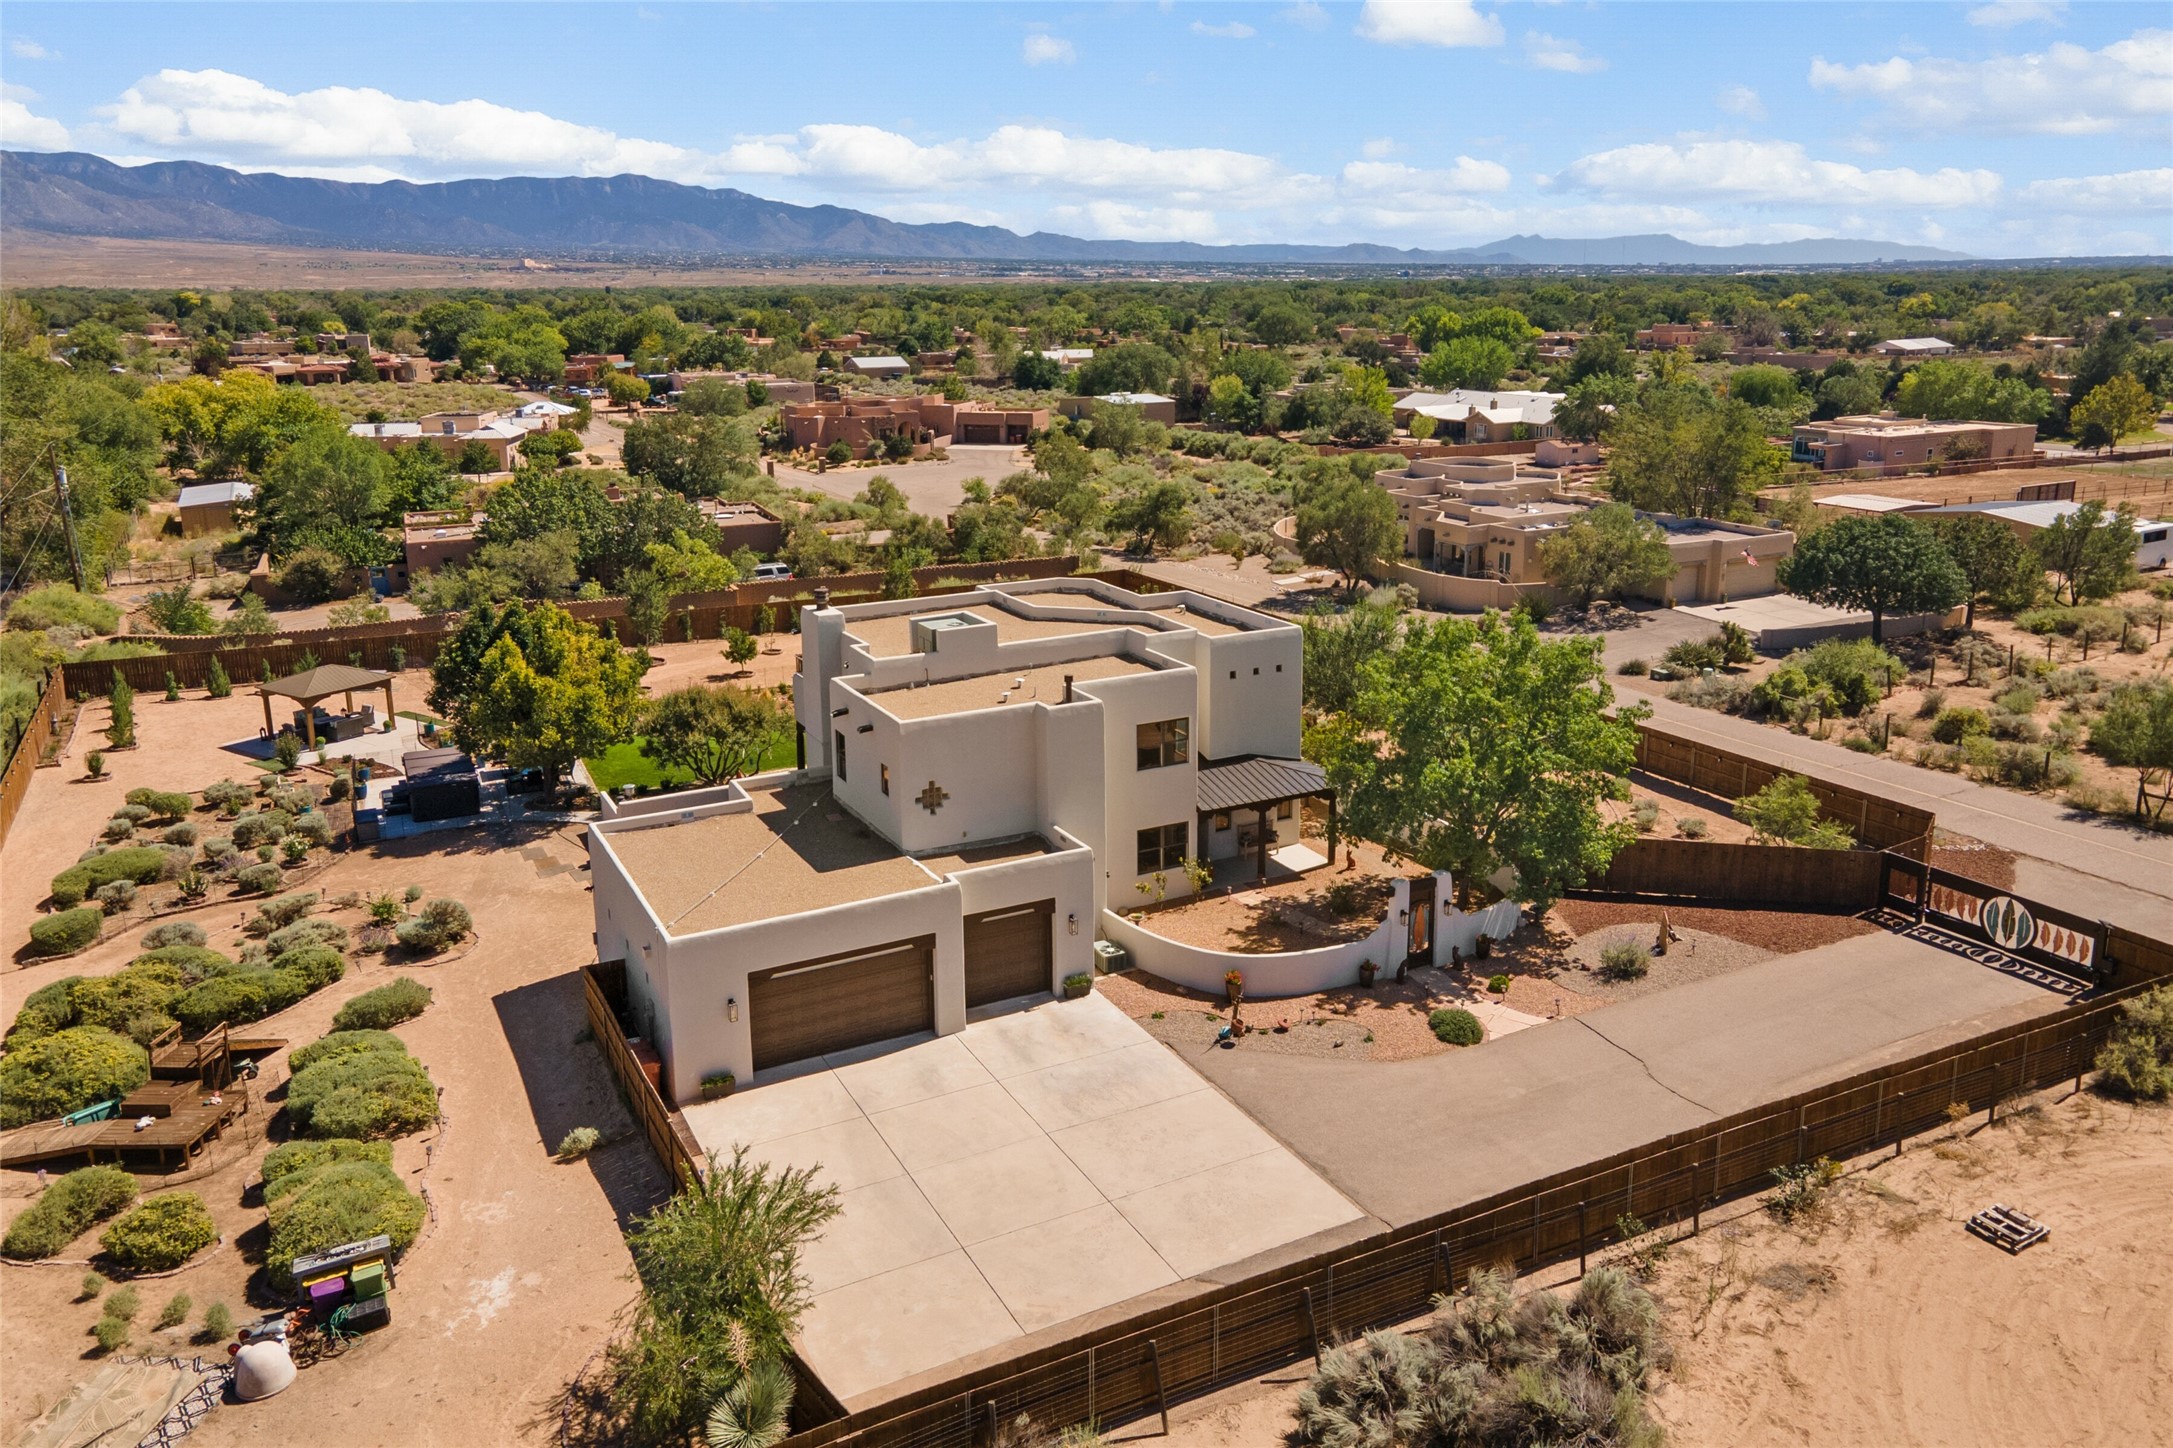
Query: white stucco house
{"points": [[981, 774]]}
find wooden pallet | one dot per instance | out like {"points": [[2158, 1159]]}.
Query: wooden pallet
{"points": [[2007, 1229]]}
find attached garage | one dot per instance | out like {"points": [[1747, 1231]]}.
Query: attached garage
{"points": [[1008, 952], [814, 1007]]}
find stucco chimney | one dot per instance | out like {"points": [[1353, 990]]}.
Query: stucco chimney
{"points": [[822, 596], [1067, 688]]}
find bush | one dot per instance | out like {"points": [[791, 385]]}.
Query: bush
{"points": [[388, 1005], [161, 803], [45, 1010], [67, 931], [115, 896], [91, 1285], [342, 1043], [163, 1233], [265, 827], [438, 924], [1625, 960], [259, 879], [328, 933], [225, 793], [275, 914], [2138, 1059], [181, 834], [1498, 984], [67, 1071], [1954, 725], [1786, 812], [378, 1090], [118, 830], [139, 863], [1646, 815], [1634, 668], [1456, 1026], [68, 1208], [301, 1156], [218, 1323], [235, 999], [578, 1143], [58, 605], [313, 828], [174, 932], [111, 1332], [1693, 655], [1691, 828], [175, 1312], [338, 1202]]}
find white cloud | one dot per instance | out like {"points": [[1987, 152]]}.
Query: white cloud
{"points": [[1549, 53], [1049, 49], [2002, 14], [1741, 100], [1463, 176], [1428, 22], [1235, 30], [2122, 191], [24, 130], [25, 48], [1767, 172], [2064, 90], [1106, 219], [1377, 148], [1306, 13]]}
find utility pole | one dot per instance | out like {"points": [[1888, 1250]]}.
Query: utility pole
{"points": [[67, 523]]}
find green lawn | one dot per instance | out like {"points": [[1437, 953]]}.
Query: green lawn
{"points": [[624, 764]]}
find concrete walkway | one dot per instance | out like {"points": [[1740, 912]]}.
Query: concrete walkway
{"points": [[1408, 1139]]}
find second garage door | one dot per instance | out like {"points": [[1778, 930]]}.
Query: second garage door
{"points": [[812, 1008], [1007, 952]]}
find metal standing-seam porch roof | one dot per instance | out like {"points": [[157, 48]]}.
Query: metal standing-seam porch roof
{"points": [[1244, 783]]}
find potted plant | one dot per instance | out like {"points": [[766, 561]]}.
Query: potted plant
{"points": [[1078, 985], [717, 1084], [1367, 971], [1233, 985]]}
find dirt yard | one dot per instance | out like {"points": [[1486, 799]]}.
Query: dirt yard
{"points": [[522, 1267], [1883, 1323]]}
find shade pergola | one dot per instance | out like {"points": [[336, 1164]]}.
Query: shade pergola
{"points": [[1260, 784], [322, 682]]}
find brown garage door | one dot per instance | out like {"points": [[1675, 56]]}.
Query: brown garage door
{"points": [[1007, 952], [813, 1007]]}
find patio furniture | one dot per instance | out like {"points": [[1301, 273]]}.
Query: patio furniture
{"points": [[313, 685]]}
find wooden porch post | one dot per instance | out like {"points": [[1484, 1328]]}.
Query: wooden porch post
{"points": [[267, 702], [1263, 843], [309, 721], [389, 715]]}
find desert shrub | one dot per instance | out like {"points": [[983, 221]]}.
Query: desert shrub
{"points": [[49, 1008], [1498, 984], [1625, 960], [135, 814], [1646, 815], [2137, 1061], [1456, 1026], [111, 1332], [1800, 1189], [118, 830], [307, 932], [161, 1234], [366, 1093], [68, 1208], [224, 793], [140, 863], [159, 803], [1954, 725], [293, 849], [1717, 692], [110, 1002], [180, 834], [265, 827], [578, 1143], [175, 1312], [260, 879], [388, 1005], [251, 993], [115, 896], [218, 1323], [91, 1285], [67, 1071], [1930, 703], [295, 1157], [1692, 655], [339, 1201], [313, 828], [68, 930], [342, 1043], [275, 914], [174, 932], [2020, 698], [1787, 812], [438, 924], [1853, 671], [1690, 828], [1633, 668], [58, 605]]}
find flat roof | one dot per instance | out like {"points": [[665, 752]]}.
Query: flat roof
{"points": [[797, 850], [889, 635], [975, 857], [1869, 502], [1044, 685], [1774, 610]]}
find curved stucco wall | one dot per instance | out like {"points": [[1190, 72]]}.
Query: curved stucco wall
{"points": [[1269, 975]]}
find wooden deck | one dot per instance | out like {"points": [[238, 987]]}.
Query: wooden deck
{"points": [[193, 1096]]}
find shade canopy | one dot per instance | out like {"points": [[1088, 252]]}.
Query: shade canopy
{"points": [[324, 681], [1246, 783]]}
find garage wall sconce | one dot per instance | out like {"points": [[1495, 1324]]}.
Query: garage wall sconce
{"points": [[839, 713], [867, 729], [1071, 924], [731, 1009]]}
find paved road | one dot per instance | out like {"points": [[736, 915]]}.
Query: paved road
{"points": [[1412, 1138]]}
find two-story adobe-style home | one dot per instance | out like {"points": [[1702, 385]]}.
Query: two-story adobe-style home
{"points": [[981, 775]]}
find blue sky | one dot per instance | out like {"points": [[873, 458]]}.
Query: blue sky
{"points": [[2004, 128]]}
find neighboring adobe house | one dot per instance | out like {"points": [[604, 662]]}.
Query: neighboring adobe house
{"points": [[1666, 336], [1886, 441], [743, 525], [862, 423], [983, 774], [430, 541], [453, 431], [881, 368], [1152, 406], [2153, 536], [1485, 519], [1473, 415], [207, 508], [1916, 347]]}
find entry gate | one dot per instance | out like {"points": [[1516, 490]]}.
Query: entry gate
{"points": [[2042, 934]]}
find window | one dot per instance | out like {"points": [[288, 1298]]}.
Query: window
{"points": [[1286, 809], [1165, 743], [1162, 848], [1222, 820], [886, 777], [839, 736]]}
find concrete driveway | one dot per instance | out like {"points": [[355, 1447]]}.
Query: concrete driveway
{"points": [[1034, 1167], [935, 489]]}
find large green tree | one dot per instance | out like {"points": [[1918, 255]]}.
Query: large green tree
{"points": [[1467, 362], [1891, 564], [2136, 732], [1681, 450], [694, 455], [1349, 524], [715, 733], [1969, 391], [543, 690], [328, 490], [1481, 745], [1997, 565], [1607, 552], [2089, 552], [1339, 646], [2118, 408]]}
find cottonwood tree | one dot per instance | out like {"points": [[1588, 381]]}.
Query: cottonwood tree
{"points": [[1337, 648], [2089, 552], [1885, 565], [1481, 745], [1679, 450], [535, 687], [2121, 407], [715, 733], [1349, 524], [2136, 732], [1607, 552], [1997, 566]]}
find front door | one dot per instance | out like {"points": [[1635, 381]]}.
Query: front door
{"points": [[1422, 930]]}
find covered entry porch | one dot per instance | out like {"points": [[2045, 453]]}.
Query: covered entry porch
{"points": [[1250, 810]]}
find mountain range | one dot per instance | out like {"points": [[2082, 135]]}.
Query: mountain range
{"points": [[75, 194]]}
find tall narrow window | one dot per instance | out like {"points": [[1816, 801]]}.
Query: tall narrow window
{"points": [[886, 777], [839, 736], [1162, 847], [1165, 743]]}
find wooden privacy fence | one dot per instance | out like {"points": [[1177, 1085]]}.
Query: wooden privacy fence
{"points": [[603, 987], [412, 643], [1787, 876], [39, 731], [1140, 1366], [1879, 823]]}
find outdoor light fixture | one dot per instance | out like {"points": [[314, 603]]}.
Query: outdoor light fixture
{"points": [[839, 713], [1403, 917], [1071, 924], [731, 1009]]}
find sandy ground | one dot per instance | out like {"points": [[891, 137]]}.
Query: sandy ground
{"points": [[1289, 914], [522, 1269], [1884, 1324]]}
